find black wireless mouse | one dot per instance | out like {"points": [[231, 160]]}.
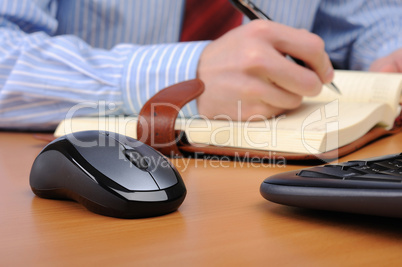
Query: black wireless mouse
{"points": [[109, 174]]}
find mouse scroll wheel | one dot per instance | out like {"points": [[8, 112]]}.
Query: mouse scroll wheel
{"points": [[136, 158]]}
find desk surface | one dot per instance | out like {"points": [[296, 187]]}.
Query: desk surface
{"points": [[223, 221]]}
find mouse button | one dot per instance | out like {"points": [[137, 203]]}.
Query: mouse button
{"points": [[136, 158], [164, 174], [127, 175], [136, 152], [156, 164], [152, 157], [110, 161], [142, 148], [85, 138]]}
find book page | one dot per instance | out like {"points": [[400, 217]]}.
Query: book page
{"points": [[359, 86], [312, 128]]}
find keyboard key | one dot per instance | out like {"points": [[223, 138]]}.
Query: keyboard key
{"points": [[398, 162], [334, 171], [313, 174], [364, 170], [384, 165]]}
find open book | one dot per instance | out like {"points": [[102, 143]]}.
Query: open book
{"points": [[320, 124]]}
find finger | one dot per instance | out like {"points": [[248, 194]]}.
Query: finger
{"points": [[264, 91], [278, 97], [285, 74], [311, 50], [301, 45]]}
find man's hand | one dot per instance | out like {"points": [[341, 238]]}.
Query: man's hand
{"points": [[248, 64], [390, 63]]}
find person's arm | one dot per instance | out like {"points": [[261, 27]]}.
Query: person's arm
{"points": [[43, 76], [359, 32]]}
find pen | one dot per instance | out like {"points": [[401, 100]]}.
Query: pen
{"points": [[253, 12]]}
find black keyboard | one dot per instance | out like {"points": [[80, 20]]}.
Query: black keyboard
{"points": [[368, 186]]}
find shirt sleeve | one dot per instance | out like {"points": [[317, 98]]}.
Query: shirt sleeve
{"points": [[45, 78], [358, 32]]}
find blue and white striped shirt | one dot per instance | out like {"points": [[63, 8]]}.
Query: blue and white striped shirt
{"points": [[55, 54]]}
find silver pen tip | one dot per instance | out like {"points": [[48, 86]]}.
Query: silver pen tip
{"points": [[333, 87]]}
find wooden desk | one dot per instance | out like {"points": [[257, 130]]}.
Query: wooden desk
{"points": [[223, 221]]}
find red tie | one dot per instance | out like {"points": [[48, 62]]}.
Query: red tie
{"points": [[208, 19]]}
